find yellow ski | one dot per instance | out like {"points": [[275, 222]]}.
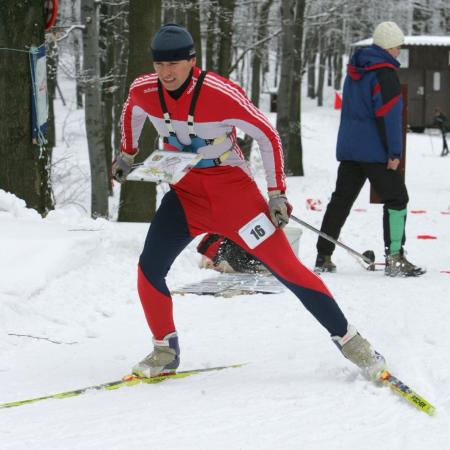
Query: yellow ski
{"points": [[128, 380], [406, 392]]}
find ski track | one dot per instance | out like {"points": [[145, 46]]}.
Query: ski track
{"points": [[296, 390]]}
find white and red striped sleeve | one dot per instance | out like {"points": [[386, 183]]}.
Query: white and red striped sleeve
{"points": [[133, 115], [240, 112]]}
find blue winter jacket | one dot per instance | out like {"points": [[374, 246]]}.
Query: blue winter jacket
{"points": [[371, 118]]}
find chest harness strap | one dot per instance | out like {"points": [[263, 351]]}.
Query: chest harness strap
{"points": [[196, 142]]}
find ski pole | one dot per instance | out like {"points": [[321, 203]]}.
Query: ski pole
{"points": [[368, 256]]}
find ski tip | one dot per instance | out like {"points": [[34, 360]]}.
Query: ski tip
{"points": [[383, 375], [130, 377]]}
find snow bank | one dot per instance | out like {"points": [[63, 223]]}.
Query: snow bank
{"points": [[14, 207]]}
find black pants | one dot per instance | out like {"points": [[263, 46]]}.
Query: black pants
{"points": [[352, 175]]}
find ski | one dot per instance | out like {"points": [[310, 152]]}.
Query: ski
{"points": [[127, 380], [406, 392]]}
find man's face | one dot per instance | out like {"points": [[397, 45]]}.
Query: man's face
{"points": [[395, 52], [173, 73]]}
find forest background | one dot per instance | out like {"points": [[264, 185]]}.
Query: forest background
{"points": [[267, 46]]}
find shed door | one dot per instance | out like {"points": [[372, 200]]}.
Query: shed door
{"points": [[437, 93], [414, 78]]}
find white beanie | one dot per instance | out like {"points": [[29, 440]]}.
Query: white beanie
{"points": [[388, 35]]}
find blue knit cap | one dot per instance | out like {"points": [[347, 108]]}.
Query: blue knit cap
{"points": [[172, 43]]}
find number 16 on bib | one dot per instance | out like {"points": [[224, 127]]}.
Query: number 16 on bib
{"points": [[257, 230]]}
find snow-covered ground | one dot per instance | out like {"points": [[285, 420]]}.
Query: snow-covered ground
{"points": [[71, 317]]}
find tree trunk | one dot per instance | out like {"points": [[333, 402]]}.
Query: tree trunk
{"points": [[278, 60], [174, 11], [52, 80], [120, 70], [311, 53], [258, 52], [25, 167], [226, 13], [211, 37], [321, 80], [284, 94], [263, 15], [106, 73], [312, 75], [138, 199], [329, 69], [77, 58], [294, 158], [93, 110], [337, 67], [193, 25], [78, 88]]}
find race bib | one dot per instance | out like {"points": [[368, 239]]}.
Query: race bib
{"points": [[257, 230]]}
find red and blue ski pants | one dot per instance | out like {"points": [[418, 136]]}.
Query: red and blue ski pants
{"points": [[221, 200]]}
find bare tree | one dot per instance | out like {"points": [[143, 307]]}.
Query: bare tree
{"points": [[108, 19], [193, 21], [187, 14], [288, 117], [138, 199], [93, 109], [259, 52], [310, 57], [283, 97], [121, 31], [174, 11], [226, 13], [211, 35], [77, 56], [24, 167], [294, 157], [219, 35], [322, 68]]}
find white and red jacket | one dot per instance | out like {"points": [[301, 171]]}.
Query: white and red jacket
{"points": [[221, 107]]}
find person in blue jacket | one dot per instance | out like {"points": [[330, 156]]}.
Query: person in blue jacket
{"points": [[369, 146]]}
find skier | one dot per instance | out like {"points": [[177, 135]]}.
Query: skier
{"points": [[369, 145], [198, 112]]}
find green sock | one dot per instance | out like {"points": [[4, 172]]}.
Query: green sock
{"points": [[396, 229]]}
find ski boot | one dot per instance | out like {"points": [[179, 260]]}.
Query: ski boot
{"points": [[324, 264], [398, 266], [164, 359], [359, 351]]}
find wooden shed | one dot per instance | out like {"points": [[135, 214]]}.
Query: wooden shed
{"points": [[425, 68]]}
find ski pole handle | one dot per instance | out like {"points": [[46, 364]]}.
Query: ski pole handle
{"points": [[329, 238]]}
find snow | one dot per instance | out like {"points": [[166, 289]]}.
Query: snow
{"points": [[71, 317]]}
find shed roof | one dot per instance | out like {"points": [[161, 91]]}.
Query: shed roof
{"points": [[441, 41]]}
